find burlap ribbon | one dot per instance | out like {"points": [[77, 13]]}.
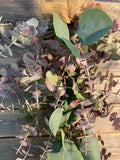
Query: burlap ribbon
{"points": [[66, 9]]}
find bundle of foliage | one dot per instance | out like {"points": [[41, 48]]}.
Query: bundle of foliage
{"points": [[61, 76]]}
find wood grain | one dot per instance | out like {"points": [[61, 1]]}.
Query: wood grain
{"points": [[8, 149], [19, 9], [11, 123], [104, 125], [112, 145]]}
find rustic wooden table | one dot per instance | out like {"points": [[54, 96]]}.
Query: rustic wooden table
{"points": [[10, 122]]}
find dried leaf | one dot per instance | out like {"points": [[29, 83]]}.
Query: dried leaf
{"points": [[71, 68], [51, 80], [60, 90], [74, 103]]}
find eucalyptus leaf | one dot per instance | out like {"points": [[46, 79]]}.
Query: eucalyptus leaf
{"points": [[93, 152], [29, 118], [43, 26], [51, 80], [33, 22], [63, 139], [55, 120], [9, 50], [93, 24], [58, 153], [72, 48], [61, 28], [65, 117]]}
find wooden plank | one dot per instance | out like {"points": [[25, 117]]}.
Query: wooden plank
{"points": [[112, 66], [104, 125], [112, 145], [113, 97], [7, 148], [19, 9], [11, 123]]}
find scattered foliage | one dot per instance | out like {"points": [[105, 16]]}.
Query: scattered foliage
{"points": [[61, 76]]}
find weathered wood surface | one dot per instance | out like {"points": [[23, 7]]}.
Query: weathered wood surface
{"points": [[10, 127], [10, 122], [16, 9], [8, 149]]}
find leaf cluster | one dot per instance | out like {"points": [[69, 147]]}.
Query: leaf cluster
{"points": [[61, 76]]}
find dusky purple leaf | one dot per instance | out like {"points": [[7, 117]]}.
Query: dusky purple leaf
{"points": [[36, 44], [113, 116], [3, 93], [53, 44]]}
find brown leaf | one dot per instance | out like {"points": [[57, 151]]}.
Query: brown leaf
{"points": [[51, 80], [74, 103], [71, 68]]}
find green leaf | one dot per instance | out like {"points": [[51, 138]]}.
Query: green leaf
{"points": [[61, 28], [66, 114], [32, 22], [63, 139], [29, 118], [58, 152], [77, 92], [65, 118], [72, 48], [55, 119], [93, 152], [93, 24]]}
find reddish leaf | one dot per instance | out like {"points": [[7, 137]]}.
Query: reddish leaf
{"points": [[74, 103], [24, 143], [71, 68], [36, 44], [62, 62], [53, 44]]}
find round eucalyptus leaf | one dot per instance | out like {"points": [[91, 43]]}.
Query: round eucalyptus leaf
{"points": [[93, 24]]}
